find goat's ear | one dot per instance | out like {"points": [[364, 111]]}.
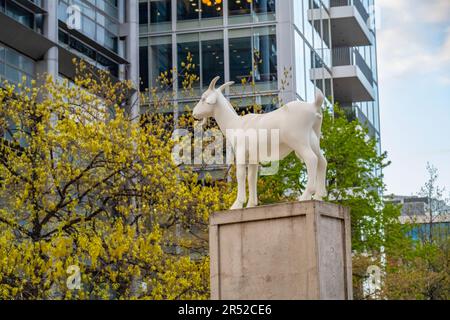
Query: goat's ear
{"points": [[225, 85], [212, 86]]}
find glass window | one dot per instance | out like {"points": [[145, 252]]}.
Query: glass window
{"points": [[309, 58], [211, 8], [300, 71], [265, 58], [160, 59], [98, 25], [308, 27], [2, 70], [253, 57], [106, 64], [255, 103], [187, 10], [188, 59], [2, 53], [143, 66], [20, 14], [12, 74], [199, 13], [241, 59], [19, 61], [298, 14], [160, 15], [264, 6], [212, 57], [244, 11], [239, 7], [82, 48], [88, 27], [143, 12]]}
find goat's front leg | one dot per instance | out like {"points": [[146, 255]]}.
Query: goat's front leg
{"points": [[241, 196], [252, 185]]}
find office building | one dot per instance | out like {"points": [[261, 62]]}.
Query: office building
{"points": [[285, 48], [44, 36]]}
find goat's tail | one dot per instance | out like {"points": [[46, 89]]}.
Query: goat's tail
{"points": [[319, 100], [317, 127]]}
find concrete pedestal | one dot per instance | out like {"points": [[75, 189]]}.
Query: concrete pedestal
{"points": [[297, 250]]}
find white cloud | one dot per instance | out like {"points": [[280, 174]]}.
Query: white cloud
{"points": [[414, 38]]}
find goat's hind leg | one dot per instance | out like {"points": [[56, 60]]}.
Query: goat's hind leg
{"points": [[321, 190], [306, 154]]}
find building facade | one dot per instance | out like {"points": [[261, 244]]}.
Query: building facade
{"points": [[44, 36], [275, 50], [430, 218], [278, 51]]}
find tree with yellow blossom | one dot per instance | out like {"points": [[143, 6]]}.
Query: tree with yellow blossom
{"points": [[92, 205]]}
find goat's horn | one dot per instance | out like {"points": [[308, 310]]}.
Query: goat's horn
{"points": [[212, 86], [225, 85]]}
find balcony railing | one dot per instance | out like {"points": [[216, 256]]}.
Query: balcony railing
{"points": [[356, 3], [344, 56]]}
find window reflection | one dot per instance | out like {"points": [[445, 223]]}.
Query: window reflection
{"points": [[207, 48], [241, 11], [212, 61], [143, 67], [264, 6], [239, 7], [188, 60], [143, 13], [13, 66], [160, 11], [160, 57], [300, 70], [240, 59], [253, 56], [197, 9], [18, 13]]}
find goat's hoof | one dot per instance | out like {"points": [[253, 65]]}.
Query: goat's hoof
{"points": [[251, 205], [318, 197], [305, 197], [237, 205]]}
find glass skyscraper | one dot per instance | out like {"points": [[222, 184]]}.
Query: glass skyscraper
{"points": [[278, 50], [275, 50], [38, 37]]}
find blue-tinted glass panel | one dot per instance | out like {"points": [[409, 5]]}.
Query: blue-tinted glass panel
{"points": [[300, 71], [185, 49], [212, 61], [187, 10], [143, 68], [160, 11], [241, 59], [160, 60]]}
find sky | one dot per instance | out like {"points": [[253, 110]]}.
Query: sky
{"points": [[413, 39]]}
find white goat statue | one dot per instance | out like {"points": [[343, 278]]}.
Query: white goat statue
{"points": [[299, 126]]}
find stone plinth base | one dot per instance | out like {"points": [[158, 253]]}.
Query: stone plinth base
{"points": [[297, 250]]}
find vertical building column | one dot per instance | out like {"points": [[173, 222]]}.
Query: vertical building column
{"points": [[132, 50], [50, 62], [285, 49]]}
